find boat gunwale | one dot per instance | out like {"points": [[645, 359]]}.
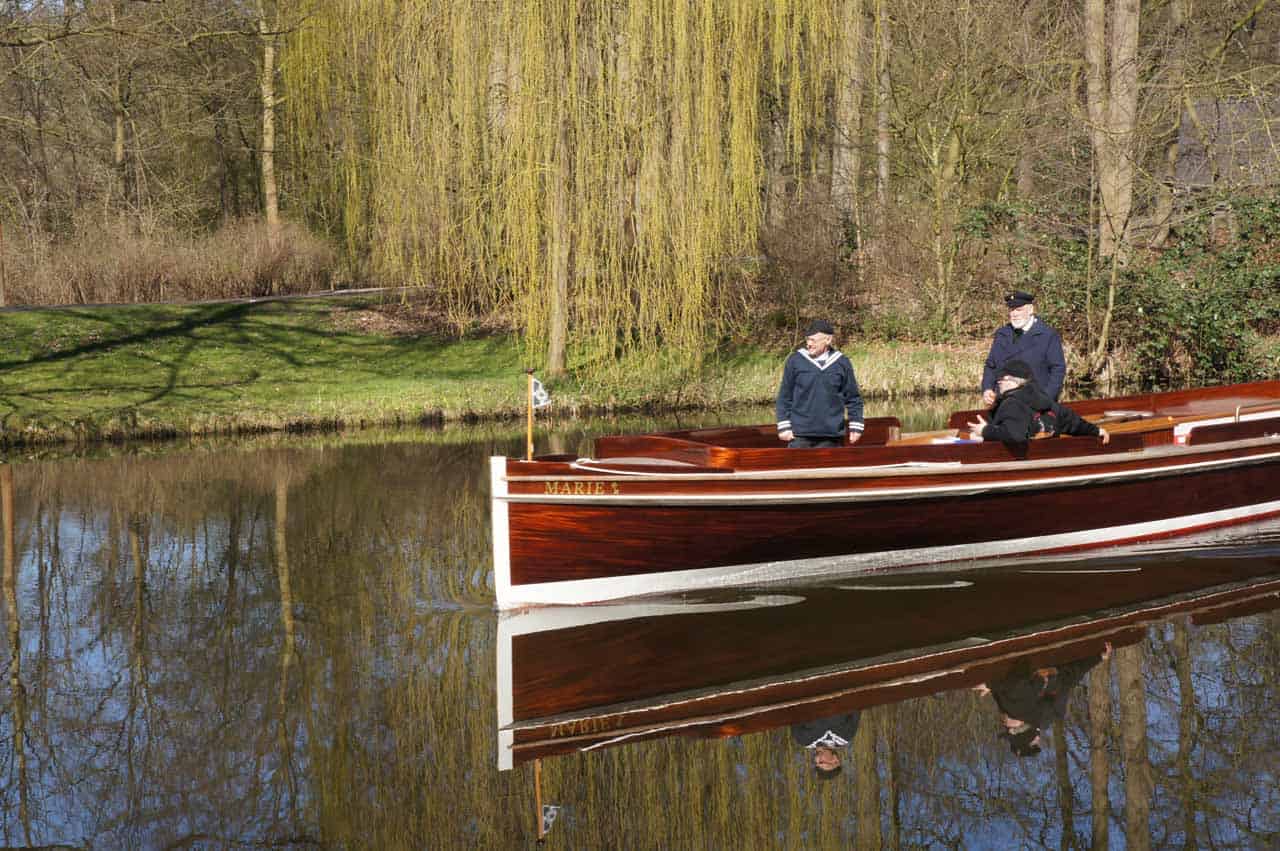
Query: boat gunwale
{"points": [[907, 469], [897, 494]]}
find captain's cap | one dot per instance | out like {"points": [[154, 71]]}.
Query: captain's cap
{"points": [[1018, 298], [1017, 368], [819, 326], [1022, 740]]}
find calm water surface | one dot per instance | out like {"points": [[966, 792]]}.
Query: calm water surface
{"points": [[290, 643]]}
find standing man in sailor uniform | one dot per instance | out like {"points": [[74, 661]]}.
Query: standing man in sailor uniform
{"points": [[1027, 339], [818, 394]]}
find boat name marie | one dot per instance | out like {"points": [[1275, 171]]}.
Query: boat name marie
{"points": [[585, 726], [583, 488]]}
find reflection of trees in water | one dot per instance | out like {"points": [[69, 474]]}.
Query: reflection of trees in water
{"points": [[199, 616], [17, 696], [1098, 725], [267, 648], [1133, 728]]}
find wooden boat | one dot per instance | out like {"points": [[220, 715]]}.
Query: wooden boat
{"points": [[731, 662], [689, 510]]}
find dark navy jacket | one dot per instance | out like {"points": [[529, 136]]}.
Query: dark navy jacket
{"points": [[1026, 411], [813, 400], [1040, 346], [1039, 702]]}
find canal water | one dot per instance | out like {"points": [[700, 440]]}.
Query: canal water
{"points": [[289, 642]]}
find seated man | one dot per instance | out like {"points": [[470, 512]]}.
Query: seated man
{"points": [[1030, 703], [1023, 411]]}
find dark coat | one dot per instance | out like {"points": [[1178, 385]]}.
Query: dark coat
{"points": [[1035, 701], [1040, 346], [1026, 411], [814, 401]]}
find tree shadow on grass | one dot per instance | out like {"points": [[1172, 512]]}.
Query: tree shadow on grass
{"points": [[258, 331]]}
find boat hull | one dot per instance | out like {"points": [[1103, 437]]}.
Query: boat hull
{"points": [[566, 552], [693, 510]]}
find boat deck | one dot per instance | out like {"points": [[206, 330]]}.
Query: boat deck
{"points": [[1134, 422]]}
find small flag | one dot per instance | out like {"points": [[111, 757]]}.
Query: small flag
{"points": [[541, 398], [549, 813]]}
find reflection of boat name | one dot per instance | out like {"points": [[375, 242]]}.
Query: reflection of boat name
{"points": [[584, 725], [583, 488]]}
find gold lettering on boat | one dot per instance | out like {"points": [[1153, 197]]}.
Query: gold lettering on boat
{"points": [[581, 488], [584, 726]]}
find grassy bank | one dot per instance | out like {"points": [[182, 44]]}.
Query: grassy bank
{"points": [[99, 373]]}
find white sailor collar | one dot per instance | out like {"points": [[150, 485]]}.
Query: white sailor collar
{"points": [[833, 355]]}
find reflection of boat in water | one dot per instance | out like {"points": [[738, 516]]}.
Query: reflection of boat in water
{"points": [[733, 507], [579, 678]]}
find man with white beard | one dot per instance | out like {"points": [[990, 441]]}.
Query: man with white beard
{"points": [[1027, 339]]}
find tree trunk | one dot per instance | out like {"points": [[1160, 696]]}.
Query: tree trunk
{"points": [[1122, 119], [267, 83], [288, 651], [118, 150], [1099, 763], [1111, 67], [883, 93], [846, 159], [1186, 730], [1111, 62], [1177, 78], [17, 690], [1137, 767], [890, 727], [867, 824], [1066, 798], [139, 670], [944, 163]]}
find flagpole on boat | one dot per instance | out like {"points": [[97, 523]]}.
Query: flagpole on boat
{"points": [[537, 785], [528, 456]]}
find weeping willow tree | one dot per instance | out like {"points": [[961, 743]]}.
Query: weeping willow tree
{"points": [[591, 169]]}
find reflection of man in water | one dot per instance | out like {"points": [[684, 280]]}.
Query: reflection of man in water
{"points": [[825, 737], [1031, 703]]}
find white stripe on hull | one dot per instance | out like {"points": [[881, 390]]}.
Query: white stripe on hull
{"points": [[579, 591]]}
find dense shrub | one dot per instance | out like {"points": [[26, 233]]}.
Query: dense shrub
{"points": [[1188, 315], [125, 262]]}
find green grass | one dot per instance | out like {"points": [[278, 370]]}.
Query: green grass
{"points": [[234, 367], [103, 373]]}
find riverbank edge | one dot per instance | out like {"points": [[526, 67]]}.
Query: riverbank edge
{"points": [[85, 431], [115, 374], [127, 373]]}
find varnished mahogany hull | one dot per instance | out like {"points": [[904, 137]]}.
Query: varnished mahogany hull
{"points": [[551, 542], [710, 508]]}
